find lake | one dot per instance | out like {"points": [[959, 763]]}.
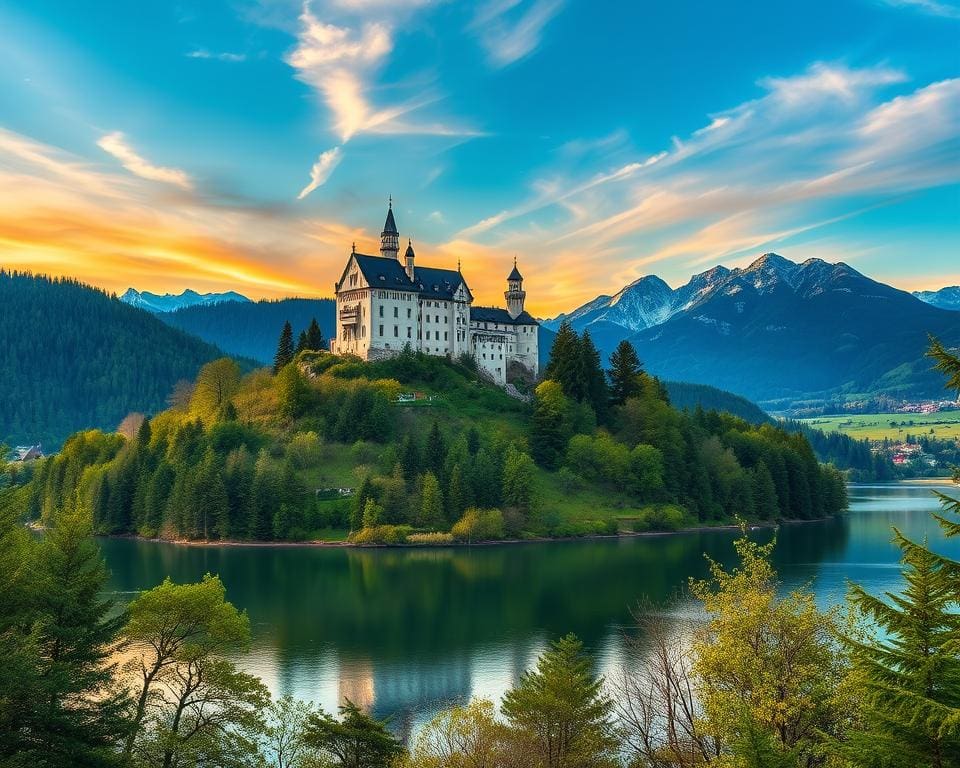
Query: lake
{"points": [[407, 631]]}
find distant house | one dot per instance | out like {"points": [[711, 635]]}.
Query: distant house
{"points": [[27, 453]]}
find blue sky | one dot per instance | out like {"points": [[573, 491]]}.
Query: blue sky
{"points": [[246, 144]]}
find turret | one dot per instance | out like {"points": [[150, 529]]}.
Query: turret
{"points": [[515, 295], [390, 237], [408, 257]]}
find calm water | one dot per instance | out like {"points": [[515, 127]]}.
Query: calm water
{"points": [[407, 631]]}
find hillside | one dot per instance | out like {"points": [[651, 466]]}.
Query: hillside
{"points": [[418, 448], [689, 396], [945, 298], [777, 332], [75, 358], [251, 329]]}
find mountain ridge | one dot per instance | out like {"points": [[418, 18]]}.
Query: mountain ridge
{"points": [[170, 302]]}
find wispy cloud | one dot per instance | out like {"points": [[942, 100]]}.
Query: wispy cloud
{"points": [[202, 53], [933, 7], [116, 144], [511, 30], [321, 170], [815, 148]]}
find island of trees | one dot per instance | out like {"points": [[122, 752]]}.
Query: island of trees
{"points": [[418, 449]]}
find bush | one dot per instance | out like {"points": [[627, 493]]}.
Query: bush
{"points": [[382, 534], [304, 450], [434, 537], [585, 528], [479, 525], [662, 517]]}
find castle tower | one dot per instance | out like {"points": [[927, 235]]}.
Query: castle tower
{"points": [[408, 258], [390, 237], [515, 295]]}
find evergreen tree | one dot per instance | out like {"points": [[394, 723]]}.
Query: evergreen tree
{"points": [[560, 711], [431, 503], [372, 514], [302, 342], [457, 499], [624, 373], [359, 503], [356, 740], [518, 479], [564, 363], [594, 383], [410, 459], [435, 453], [285, 349], [314, 337]]}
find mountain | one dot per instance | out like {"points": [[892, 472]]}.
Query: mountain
{"points": [[945, 298], [76, 358], [169, 302], [251, 329], [777, 331]]}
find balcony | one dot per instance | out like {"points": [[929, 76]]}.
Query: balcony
{"points": [[350, 315]]}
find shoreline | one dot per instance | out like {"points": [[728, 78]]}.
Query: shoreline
{"points": [[319, 543]]}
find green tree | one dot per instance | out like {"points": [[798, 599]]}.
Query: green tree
{"points": [[372, 514], [282, 737], [563, 366], [217, 382], [356, 740], [314, 336], [435, 452], [178, 635], [431, 503], [285, 351], [551, 424], [519, 474], [594, 383], [462, 737], [359, 503], [457, 498], [624, 373], [560, 711]]}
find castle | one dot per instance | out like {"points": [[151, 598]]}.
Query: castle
{"points": [[387, 303]]}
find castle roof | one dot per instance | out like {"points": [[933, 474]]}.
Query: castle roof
{"points": [[500, 315], [515, 275], [384, 271], [438, 283]]}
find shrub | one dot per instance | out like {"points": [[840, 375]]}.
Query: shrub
{"points": [[585, 528], [304, 450], [479, 525], [433, 537], [382, 534], [662, 517]]}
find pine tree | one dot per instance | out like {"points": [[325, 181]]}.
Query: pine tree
{"points": [[457, 500], [561, 712], [435, 453], [564, 362], [302, 342], [624, 373], [359, 502], [431, 503], [594, 383], [314, 336], [410, 459], [285, 349]]}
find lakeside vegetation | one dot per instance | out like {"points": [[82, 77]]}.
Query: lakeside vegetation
{"points": [[327, 445]]}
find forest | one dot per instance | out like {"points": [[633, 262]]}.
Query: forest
{"points": [[324, 447], [75, 357]]}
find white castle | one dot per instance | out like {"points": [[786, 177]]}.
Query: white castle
{"points": [[387, 303]]}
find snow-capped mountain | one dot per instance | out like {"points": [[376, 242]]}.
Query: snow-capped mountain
{"points": [[775, 330], [169, 302], [945, 298]]}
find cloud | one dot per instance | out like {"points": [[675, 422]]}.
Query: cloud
{"points": [[816, 148], [510, 30], [321, 170], [116, 144], [932, 7], [202, 53]]}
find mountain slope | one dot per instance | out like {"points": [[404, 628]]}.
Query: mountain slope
{"points": [[169, 302], [945, 298], [780, 331], [251, 329], [75, 358]]}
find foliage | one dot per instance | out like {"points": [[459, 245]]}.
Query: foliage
{"points": [[356, 740], [432, 538], [624, 373], [285, 350], [462, 737], [381, 534], [768, 670], [561, 711], [75, 357], [479, 525]]}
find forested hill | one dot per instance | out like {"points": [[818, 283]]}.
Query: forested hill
{"points": [[686, 395], [74, 357], [250, 329]]}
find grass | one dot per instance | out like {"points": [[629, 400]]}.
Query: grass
{"points": [[894, 426]]}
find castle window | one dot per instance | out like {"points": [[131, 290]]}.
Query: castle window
{"points": [[436, 318], [444, 335], [409, 311], [381, 310], [409, 330], [396, 330], [396, 311], [381, 330]]}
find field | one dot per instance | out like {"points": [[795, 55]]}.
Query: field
{"points": [[895, 426]]}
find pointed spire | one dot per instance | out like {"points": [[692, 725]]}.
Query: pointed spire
{"points": [[354, 249], [409, 247], [515, 274], [390, 226]]}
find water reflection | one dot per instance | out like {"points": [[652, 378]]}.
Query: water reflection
{"points": [[404, 632]]}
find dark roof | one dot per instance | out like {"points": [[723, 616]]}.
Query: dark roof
{"points": [[390, 226], [515, 275], [409, 249], [500, 315], [384, 271], [438, 283]]}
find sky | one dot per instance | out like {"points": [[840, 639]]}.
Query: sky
{"points": [[247, 144]]}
